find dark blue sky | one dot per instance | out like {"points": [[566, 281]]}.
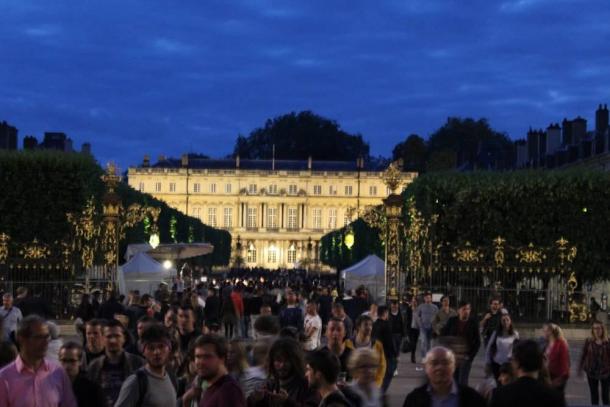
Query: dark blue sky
{"points": [[137, 77]]}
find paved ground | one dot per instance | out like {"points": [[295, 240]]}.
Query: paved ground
{"points": [[408, 378]]}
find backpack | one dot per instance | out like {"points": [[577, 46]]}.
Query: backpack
{"points": [[143, 384]]}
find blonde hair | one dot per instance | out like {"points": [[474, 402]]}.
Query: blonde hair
{"points": [[604, 331], [362, 356], [556, 331]]}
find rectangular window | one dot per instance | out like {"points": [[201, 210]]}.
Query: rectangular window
{"points": [[292, 189], [272, 255], [251, 254], [273, 189], [197, 213], [228, 217], [332, 218], [292, 254], [292, 218], [272, 218], [157, 187], [348, 190], [212, 188], [345, 219], [251, 220], [252, 189], [227, 188], [172, 187], [373, 191], [141, 187], [317, 189], [196, 188], [332, 190], [212, 217], [316, 218]]}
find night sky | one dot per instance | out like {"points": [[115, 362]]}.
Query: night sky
{"points": [[151, 77]]}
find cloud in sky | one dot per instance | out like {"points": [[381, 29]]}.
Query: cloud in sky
{"points": [[139, 78]]}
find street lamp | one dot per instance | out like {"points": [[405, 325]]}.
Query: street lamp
{"points": [[154, 240], [349, 239]]}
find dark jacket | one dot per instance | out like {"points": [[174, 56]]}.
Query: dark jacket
{"points": [[467, 398], [131, 363], [471, 338], [336, 399], [527, 392], [382, 331], [87, 392]]}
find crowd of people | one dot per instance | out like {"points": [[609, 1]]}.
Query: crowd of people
{"points": [[253, 340]]}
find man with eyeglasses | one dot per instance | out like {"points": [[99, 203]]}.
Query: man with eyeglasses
{"points": [[442, 389], [33, 380], [87, 393]]}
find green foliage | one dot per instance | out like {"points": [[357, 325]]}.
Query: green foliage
{"points": [[40, 187], [522, 207], [298, 136], [366, 241], [412, 152]]}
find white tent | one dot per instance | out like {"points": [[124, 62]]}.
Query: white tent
{"points": [[369, 272], [142, 273]]}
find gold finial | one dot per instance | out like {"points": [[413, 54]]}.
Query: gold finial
{"points": [[392, 176]]}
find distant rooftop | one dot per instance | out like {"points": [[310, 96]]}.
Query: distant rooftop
{"points": [[268, 165]]}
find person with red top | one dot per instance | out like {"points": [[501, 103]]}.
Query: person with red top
{"points": [[238, 305], [557, 356], [210, 355]]}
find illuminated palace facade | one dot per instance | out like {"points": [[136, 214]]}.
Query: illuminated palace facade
{"points": [[275, 210]]}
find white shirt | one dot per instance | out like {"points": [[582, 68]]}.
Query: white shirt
{"points": [[10, 319], [313, 342]]}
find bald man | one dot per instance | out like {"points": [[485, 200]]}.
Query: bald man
{"points": [[441, 389]]}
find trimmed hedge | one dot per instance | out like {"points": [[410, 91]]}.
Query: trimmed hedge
{"points": [[40, 187], [366, 241]]}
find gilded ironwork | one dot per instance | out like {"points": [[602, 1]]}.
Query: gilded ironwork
{"points": [[467, 254], [35, 250], [392, 176], [4, 239], [499, 251], [530, 255], [578, 310]]}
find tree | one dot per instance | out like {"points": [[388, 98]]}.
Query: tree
{"points": [[413, 153], [474, 143], [299, 136]]}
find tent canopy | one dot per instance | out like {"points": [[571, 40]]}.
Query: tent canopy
{"points": [[369, 272], [142, 273]]}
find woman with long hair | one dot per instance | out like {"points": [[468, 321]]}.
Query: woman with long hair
{"points": [[286, 384], [557, 356], [595, 362], [363, 339], [500, 347]]}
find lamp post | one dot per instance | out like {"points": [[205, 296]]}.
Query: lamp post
{"points": [[393, 210]]}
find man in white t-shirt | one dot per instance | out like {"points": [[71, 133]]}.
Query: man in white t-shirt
{"points": [[312, 327]]}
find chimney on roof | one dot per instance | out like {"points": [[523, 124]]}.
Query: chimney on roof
{"points": [[309, 161], [237, 161], [161, 158], [146, 161], [185, 160]]}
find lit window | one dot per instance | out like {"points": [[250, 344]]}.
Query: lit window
{"points": [[252, 189], [212, 217], [196, 188], [348, 190], [272, 218], [251, 254], [292, 189], [251, 221], [373, 191], [157, 187], [292, 254], [172, 187], [228, 217], [332, 218], [272, 254], [316, 218], [292, 218], [273, 189], [227, 188], [332, 190], [317, 189], [212, 188]]}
